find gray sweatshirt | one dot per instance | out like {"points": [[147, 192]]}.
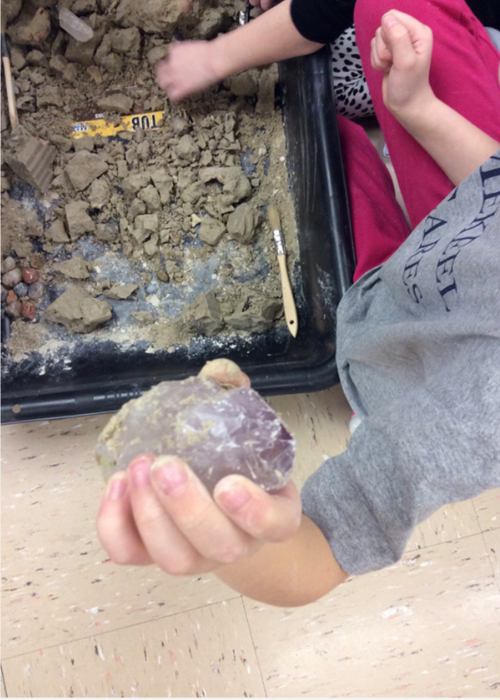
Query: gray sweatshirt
{"points": [[419, 360]]}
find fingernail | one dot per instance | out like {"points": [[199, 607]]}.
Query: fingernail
{"points": [[170, 476], [389, 20], [140, 471], [234, 498], [116, 488]]}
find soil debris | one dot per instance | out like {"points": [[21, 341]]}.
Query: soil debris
{"points": [[164, 213]]}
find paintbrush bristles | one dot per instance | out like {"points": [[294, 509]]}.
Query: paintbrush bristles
{"points": [[274, 218]]}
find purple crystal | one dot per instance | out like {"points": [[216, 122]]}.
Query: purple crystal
{"points": [[216, 430]]}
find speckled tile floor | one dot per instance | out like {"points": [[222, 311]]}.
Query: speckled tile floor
{"points": [[75, 625]]}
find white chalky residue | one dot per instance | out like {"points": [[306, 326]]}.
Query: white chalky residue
{"points": [[392, 612]]}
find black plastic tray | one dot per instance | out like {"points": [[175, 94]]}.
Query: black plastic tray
{"points": [[101, 377]]}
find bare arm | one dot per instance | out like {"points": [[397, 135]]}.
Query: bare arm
{"points": [[268, 38], [192, 66], [287, 574], [402, 50], [456, 145]]}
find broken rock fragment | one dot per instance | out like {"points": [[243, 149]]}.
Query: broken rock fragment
{"points": [[217, 430], [193, 192], [49, 95], [127, 41], [152, 16], [203, 316], [79, 222], [10, 9], [63, 69], [30, 29], [244, 84], [78, 311], [32, 160], [108, 231], [117, 102], [145, 317], [121, 291], [187, 150], [255, 313], [163, 183], [236, 185], [242, 223], [82, 51], [133, 183], [151, 197], [57, 233], [145, 226], [76, 268], [211, 230], [99, 193], [84, 168]]}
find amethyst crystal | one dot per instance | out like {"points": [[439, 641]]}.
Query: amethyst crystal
{"points": [[217, 430]]}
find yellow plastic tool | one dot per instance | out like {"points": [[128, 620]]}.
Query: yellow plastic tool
{"points": [[99, 125]]}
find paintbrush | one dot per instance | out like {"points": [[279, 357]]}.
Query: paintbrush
{"points": [[9, 83], [288, 301]]}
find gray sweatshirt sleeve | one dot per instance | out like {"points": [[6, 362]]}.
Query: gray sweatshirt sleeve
{"points": [[400, 466]]}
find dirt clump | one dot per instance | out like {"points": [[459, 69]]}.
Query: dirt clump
{"points": [[78, 311]]}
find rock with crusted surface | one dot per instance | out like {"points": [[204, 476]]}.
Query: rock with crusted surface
{"points": [[217, 430]]}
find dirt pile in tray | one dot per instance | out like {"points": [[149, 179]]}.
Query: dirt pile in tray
{"points": [[128, 218]]}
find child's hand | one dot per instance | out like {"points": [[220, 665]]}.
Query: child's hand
{"points": [[167, 517], [263, 4], [402, 50], [188, 68]]}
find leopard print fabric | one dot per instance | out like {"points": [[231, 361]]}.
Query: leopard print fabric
{"points": [[351, 89]]}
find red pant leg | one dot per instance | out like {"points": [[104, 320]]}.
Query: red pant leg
{"points": [[464, 74], [379, 225]]}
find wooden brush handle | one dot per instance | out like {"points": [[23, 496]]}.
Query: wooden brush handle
{"points": [[288, 301], [9, 86]]}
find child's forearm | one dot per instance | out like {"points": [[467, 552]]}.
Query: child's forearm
{"points": [[458, 146], [292, 573], [270, 37]]}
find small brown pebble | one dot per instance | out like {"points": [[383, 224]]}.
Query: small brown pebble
{"points": [[28, 309], [35, 290], [11, 278], [163, 276], [37, 260], [8, 264], [14, 309], [11, 296], [30, 275]]}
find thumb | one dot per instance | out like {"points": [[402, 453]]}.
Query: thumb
{"points": [[399, 42]]}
